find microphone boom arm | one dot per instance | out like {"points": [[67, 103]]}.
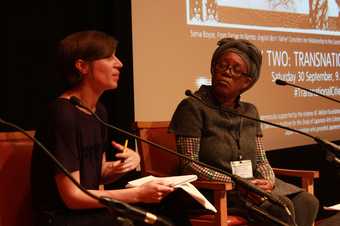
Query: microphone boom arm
{"points": [[48, 153], [238, 180], [283, 83], [122, 208], [317, 139]]}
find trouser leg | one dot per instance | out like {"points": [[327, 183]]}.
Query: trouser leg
{"points": [[306, 208], [280, 212]]}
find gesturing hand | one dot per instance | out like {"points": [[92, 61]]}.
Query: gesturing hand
{"points": [[127, 159]]}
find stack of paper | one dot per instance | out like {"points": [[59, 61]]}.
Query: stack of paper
{"points": [[334, 207], [182, 182]]}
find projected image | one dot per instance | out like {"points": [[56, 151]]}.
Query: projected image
{"points": [[202, 80], [291, 6], [305, 16], [299, 41]]}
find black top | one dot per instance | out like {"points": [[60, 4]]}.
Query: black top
{"points": [[224, 136], [77, 140]]}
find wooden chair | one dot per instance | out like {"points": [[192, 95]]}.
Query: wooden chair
{"points": [[161, 163], [15, 188]]}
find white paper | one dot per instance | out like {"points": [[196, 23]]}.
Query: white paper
{"points": [[178, 182], [197, 195], [174, 180], [334, 207]]}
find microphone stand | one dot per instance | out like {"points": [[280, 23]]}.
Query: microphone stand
{"points": [[283, 83], [331, 157], [189, 93], [238, 180], [319, 140], [122, 208], [260, 212]]}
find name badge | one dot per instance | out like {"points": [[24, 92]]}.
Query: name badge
{"points": [[242, 168]]}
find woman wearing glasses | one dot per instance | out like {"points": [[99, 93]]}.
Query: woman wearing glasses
{"points": [[207, 131]]}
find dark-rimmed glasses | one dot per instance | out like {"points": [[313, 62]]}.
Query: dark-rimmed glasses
{"points": [[233, 70]]}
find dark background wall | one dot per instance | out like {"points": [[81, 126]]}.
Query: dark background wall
{"points": [[30, 81], [33, 31], [312, 157]]}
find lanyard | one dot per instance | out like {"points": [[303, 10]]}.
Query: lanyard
{"points": [[236, 130]]}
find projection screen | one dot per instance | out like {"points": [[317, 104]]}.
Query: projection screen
{"points": [[300, 42]]}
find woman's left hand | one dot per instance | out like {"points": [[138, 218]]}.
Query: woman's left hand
{"points": [[127, 159], [263, 184]]}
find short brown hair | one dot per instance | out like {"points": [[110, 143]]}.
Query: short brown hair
{"points": [[86, 45]]}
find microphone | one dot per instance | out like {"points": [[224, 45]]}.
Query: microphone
{"points": [[238, 180], [326, 143], [329, 145], [134, 213], [283, 83], [280, 82], [122, 208]]}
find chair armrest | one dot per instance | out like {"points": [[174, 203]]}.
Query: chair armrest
{"points": [[212, 185], [154, 173], [204, 184], [307, 177], [219, 190], [296, 173]]}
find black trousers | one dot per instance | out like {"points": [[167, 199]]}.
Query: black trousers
{"points": [[303, 207]]}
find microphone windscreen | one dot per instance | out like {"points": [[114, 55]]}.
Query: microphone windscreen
{"points": [[280, 82], [188, 92], [74, 100]]}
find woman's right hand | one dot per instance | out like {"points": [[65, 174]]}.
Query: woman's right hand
{"points": [[154, 191]]}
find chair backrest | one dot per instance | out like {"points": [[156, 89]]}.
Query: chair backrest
{"points": [[15, 188], [153, 160], [161, 163]]}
